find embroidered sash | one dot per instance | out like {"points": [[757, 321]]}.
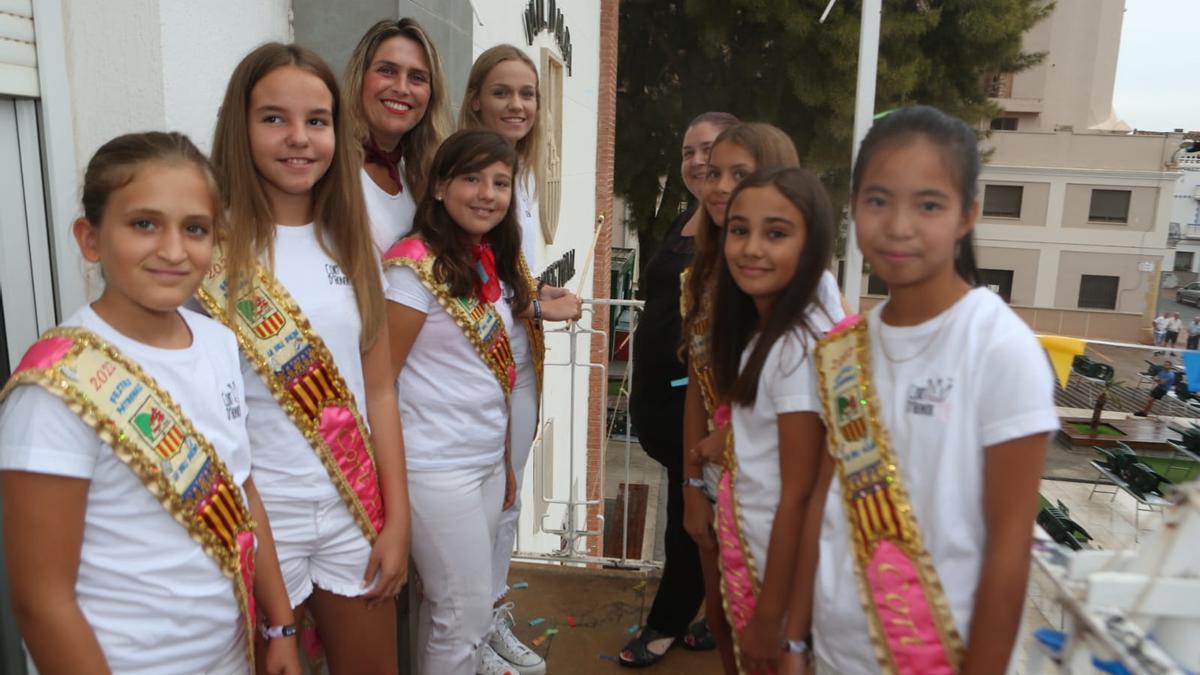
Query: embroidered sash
{"points": [[537, 339], [910, 622], [479, 321], [149, 433], [296, 366], [739, 576]]}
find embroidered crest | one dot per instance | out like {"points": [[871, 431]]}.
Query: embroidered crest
{"points": [[260, 314]]}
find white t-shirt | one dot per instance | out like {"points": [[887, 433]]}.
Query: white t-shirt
{"points": [[1160, 323], [285, 465], [451, 407], [156, 602], [391, 215], [970, 378], [787, 385], [1175, 325]]}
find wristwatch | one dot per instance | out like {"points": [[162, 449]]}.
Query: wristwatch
{"points": [[796, 646], [275, 632], [537, 310], [694, 482]]}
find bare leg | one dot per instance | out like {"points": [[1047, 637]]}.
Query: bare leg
{"points": [[714, 610], [357, 640]]}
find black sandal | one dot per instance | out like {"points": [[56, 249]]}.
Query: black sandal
{"points": [[637, 654], [699, 637]]}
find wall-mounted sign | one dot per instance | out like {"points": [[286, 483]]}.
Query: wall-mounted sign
{"points": [[560, 271], [539, 17]]}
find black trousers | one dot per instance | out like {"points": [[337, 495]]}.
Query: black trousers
{"points": [[1193, 341], [681, 591]]}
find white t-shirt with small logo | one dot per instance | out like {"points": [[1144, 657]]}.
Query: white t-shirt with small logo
{"points": [[391, 215], [155, 600], [970, 378], [285, 465], [452, 408]]}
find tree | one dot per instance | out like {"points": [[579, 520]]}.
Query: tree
{"points": [[770, 60]]}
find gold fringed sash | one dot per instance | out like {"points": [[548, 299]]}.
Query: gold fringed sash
{"points": [[149, 433], [911, 626], [300, 372]]}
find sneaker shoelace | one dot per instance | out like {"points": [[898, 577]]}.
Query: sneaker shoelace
{"points": [[502, 622]]}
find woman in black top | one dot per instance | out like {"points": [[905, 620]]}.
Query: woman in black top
{"points": [[656, 407]]}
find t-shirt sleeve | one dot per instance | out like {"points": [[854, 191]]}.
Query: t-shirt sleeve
{"points": [[1016, 396], [791, 376], [39, 434], [404, 287], [830, 297]]}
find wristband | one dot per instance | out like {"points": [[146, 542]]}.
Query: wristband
{"points": [[796, 646], [694, 482], [275, 632], [537, 310]]}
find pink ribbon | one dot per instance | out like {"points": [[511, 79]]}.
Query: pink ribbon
{"points": [[45, 353], [904, 613], [340, 431]]}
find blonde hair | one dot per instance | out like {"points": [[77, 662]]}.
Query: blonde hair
{"points": [[529, 148], [419, 144], [771, 148], [339, 214]]}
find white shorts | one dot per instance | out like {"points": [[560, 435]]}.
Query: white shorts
{"points": [[319, 544]]}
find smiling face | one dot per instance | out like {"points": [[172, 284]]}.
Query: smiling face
{"points": [[396, 90], [507, 102], [764, 238], [478, 201], [154, 241], [697, 143], [909, 215], [728, 165], [291, 136]]}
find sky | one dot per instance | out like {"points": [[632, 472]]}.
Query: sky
{"points": [[1158, 68]]}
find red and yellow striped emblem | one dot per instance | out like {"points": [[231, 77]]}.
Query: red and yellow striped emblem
{"points": [[220, 513], [170, 443], [270, 325], [311, 389], [855, 429]]}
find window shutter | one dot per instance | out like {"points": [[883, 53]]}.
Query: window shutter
{"points": [[18, 57]]}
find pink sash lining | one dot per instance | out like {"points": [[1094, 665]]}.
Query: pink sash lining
{"points": [[903, 611], [340, 431], [736, 569]]}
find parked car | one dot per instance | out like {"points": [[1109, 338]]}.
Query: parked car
{"points": [[1189, 294]]}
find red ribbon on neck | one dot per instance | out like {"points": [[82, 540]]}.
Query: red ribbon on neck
{"points": [[388, 160], [487, 284]]}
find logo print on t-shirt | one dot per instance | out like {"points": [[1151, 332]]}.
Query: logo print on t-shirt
{"points": [[233, 405], [336, 278], [930, 398]]}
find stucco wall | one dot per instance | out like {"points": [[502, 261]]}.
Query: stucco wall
{"points": [[1023, 262]]}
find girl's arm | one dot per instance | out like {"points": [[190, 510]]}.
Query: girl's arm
{"points": [[560, 307], [43, 533], [1012, 472], [801, 441], [800, 605], [270, 593], [697, 512], [390, 554]]}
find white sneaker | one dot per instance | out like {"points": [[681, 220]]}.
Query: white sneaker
{"points": [[508, 647], [493, 664]]}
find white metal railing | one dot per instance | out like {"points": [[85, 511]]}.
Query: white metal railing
{"points": [[575, 536]]}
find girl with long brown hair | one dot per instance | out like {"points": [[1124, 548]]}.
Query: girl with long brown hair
{"points": [[300, 284]]}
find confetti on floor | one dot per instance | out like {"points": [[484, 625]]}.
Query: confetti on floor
{"points": [[551, 631], [571, 621], [537, 641], [521, 585], [534, 622], [632, 629], [606, 657]]}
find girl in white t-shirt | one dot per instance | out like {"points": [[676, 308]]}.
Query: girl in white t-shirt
{"points": [[397, 105], [768, 313], [961, 392], [300, 262], [103, 577], [453, 293], [502, 94]]}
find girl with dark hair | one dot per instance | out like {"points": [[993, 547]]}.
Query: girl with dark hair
{"points": [[454, 290], [938, 405], [657, 404], [768, 314]]}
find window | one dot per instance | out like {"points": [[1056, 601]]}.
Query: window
{"points": [[876, 286], [1098, 292], [1004, 123], [999, 85], [1002, 201], [1183, 261], [1109, 206], [999, 281]]}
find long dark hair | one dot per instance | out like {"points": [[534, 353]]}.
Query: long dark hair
{"points": [[466, 152], [959, 145], [735, 316]]}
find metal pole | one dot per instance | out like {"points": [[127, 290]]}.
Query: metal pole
{"points": [[864, 113]]}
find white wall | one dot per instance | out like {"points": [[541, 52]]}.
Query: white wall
{"points": [[500, 21]]}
